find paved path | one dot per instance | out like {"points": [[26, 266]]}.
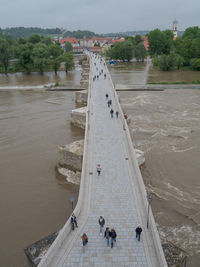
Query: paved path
{"points": [[112, 194]]}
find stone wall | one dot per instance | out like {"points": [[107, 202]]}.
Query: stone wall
{"points": [[81, 97], [78, 117], [71, 155]]}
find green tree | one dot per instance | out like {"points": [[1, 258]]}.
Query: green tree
{"points": [[122, 51], [55, 52], [68, 47], [34, 38], [192, 33], [40, 56], [24, 55], [5, 54], [195, 63], [160, 42], [140, 52], [138, 39], [68, 59]]}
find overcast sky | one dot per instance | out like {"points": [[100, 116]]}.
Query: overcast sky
{"points": [[100, 16]]}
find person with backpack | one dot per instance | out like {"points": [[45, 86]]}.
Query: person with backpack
{"points": [[84, 240], [138, 231], [107, 235], [98, 169], [101, 224], [111, 112], [117, 114], [113, 236]]}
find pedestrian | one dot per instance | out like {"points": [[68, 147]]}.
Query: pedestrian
{"points": [[111, 112], [106, 96], [97, 77], [75, 221], [117, 114], [101, 224], [107, 235], [104, 76], [113, 236], [108, 103], [98, 169], [72, 223], [138, 231], [84, 240], [102, 70]]}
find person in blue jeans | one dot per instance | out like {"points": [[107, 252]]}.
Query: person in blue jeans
{"points": [[113, 236], [138, 231], [107, 235]]}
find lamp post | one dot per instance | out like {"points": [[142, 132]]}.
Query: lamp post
{"points": [[149, 198], [71, 200]]}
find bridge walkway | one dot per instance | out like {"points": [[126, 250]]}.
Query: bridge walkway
{"points": [[112, 194]]}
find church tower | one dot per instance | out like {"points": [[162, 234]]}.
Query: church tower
{"points": [[175, 28]]}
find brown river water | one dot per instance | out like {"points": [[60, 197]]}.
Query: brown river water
{"points": [[34, 199]]}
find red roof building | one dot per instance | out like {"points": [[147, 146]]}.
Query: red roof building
{"points": [[96, 49], [145, 42]]}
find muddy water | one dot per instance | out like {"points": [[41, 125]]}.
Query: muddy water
{"points": [[166, 126], [20, 80], [128, 73], [156, 75], [34, 200]]}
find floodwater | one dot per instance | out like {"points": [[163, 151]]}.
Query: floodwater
{"points": [[128, 73], [156, 75], [34, 199], [35, 80], [166, 126]]}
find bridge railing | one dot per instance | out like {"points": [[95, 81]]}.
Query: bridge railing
{"points": [[141, 192], [52, 254]]}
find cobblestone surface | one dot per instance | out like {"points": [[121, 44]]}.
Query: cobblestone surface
{"points": [[112, 194]]}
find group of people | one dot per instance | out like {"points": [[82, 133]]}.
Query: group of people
{"points": [[109, 102], [109, 234]]}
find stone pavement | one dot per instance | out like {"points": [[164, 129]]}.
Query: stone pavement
{"points": [[112, 193]]}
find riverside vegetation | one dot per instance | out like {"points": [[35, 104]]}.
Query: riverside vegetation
{"points": [[36, 53]]}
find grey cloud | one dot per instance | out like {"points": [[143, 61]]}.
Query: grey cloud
{"points": [[100, 16]]}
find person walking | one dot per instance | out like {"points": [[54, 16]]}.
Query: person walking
{"points": [[117, 114], [74, 219], [107, 235], [106, 96], [101, 224], [104, 76], [138, 231], [108, 103], [111, 112], [113, 236], [84, 240], [98, 169]]}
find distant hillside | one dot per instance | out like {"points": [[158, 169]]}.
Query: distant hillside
{"points": [[17, 32], [80, 34], [131, 33]]}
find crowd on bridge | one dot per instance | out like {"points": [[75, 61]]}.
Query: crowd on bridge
{"points": [[110, 234]]}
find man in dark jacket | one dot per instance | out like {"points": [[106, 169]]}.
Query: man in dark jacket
{"points": [[101, 224], [107, 235], [138, 231], [113, 236]]}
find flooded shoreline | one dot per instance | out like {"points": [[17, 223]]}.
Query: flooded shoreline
{"points": [[35, 199]]}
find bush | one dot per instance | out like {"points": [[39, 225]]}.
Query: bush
{"points": [[195, 63]]}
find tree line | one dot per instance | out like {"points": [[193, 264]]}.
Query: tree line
{"points": [[131, 48], [169, 54], [36, 53], [17, 32]]}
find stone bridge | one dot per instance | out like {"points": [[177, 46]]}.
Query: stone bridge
{"points": [[118, 194]]}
